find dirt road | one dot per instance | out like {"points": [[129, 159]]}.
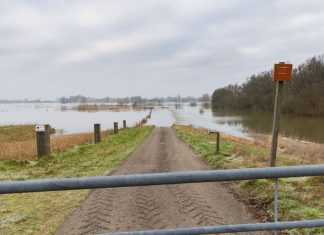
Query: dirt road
{"points": [[157, 207]]}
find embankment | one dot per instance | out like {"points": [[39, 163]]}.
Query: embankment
{"points": [[299, 198], [42, 213]]}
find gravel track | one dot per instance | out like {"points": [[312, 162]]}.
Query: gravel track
{"points": [[157, 207]]}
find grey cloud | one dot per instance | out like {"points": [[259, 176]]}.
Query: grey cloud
{"points": [[149, 48]]}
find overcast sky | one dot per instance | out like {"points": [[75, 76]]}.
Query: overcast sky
{"points": [[150, 48]]}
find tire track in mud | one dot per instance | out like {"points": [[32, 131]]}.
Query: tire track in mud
{"points": [[148, 208], [98, 212], [195, 206], [157, 207]]}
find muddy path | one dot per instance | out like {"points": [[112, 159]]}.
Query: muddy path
{"points": [[157, 207]]}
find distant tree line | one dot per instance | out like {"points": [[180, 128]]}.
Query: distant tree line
{"points": [[304, 95], [134, 100], [82, 99], [26, 101]]}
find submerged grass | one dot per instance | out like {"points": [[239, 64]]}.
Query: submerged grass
{"points": [[42, 213], [299, 198]]}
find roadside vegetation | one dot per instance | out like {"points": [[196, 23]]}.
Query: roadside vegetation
{"points": [[42, 213], [19, 142], [299, 198], [303, 95]]}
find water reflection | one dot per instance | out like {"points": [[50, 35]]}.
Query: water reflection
{"points": [[193, 116], [238, 123], [232, 122], [302, 128]]}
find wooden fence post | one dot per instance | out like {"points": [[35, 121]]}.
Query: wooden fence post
{"points": [[97, 133], [48, 136], [124, 123], [43, 142], [217, 141], [115, 127]]}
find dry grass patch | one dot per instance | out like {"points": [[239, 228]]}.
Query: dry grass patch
{"points": [[301, 152], [16, 133], [19, 142]]}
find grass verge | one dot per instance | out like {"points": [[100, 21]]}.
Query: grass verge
{"points": [[42, 213], [299, 198]]}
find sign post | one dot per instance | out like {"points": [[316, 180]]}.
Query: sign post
{"points": [[282, 72], [276, 120]]}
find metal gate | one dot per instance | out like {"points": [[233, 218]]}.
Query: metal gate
{"points": [[178, 178]]}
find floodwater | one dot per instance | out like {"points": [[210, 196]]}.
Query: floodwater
{"points": [[236, 123], [70, 121], [239, 123]]}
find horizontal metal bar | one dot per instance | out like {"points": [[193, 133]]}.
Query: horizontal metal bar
{"points": [[159, 179], [228, 228]]}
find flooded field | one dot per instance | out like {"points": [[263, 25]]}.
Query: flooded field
{"points": [[239, 123], [70, 119], [66, 118]]}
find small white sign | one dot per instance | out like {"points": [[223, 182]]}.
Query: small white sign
{"points": [[40, 128]]}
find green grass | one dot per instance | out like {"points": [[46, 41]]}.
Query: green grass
{"points": [[299, 198], [42, 213], [205, 146]]}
